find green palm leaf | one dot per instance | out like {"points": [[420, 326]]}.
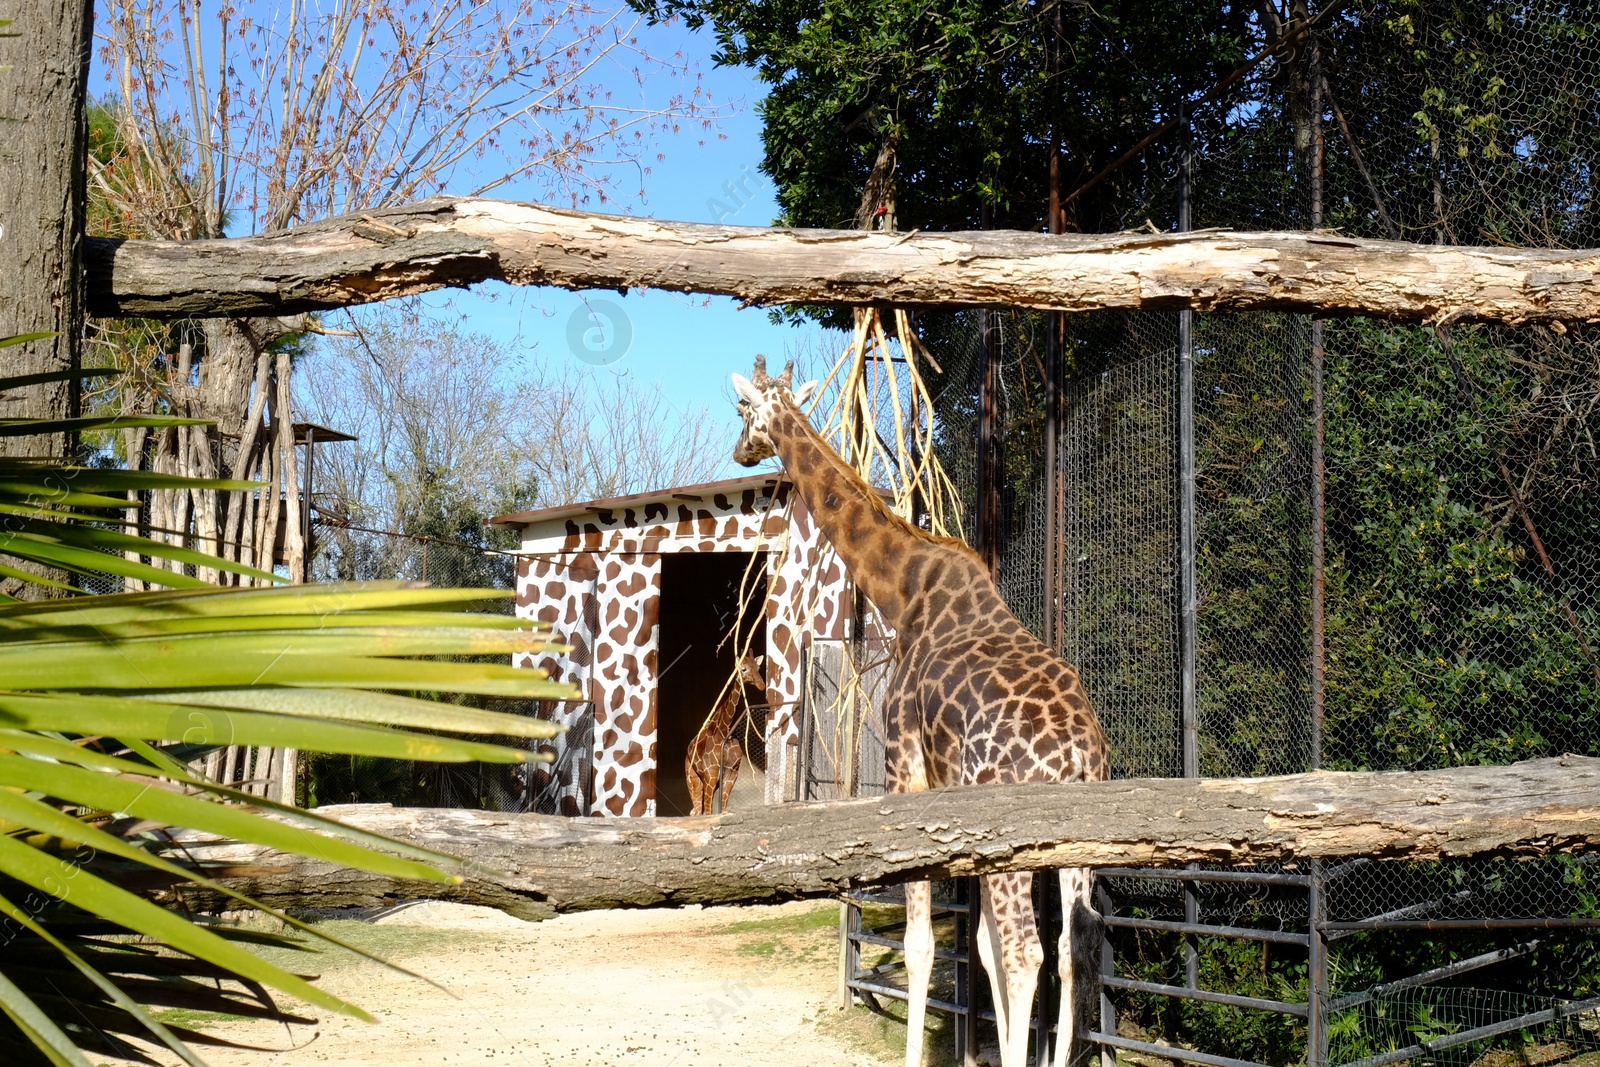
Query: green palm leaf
{"points": [[101, 982], [38, 1027], [103, 698]]}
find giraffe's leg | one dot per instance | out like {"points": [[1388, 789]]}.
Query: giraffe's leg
{"points": [[986, 937], [730, 774], [1012, 960], [907, 768], [699, 803], [1075, 948], [919, 965]]}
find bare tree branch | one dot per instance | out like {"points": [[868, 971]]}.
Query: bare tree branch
{"points": [[453, 427], [229, 117]]}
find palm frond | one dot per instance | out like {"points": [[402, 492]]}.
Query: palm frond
{"points": [[105, 701]]}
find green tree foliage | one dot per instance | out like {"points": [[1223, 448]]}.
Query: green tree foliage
{"points": [[1448, 642], [963, 88], [1475, 117], [1252, 566]]}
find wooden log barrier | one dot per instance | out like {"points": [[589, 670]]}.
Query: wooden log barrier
{"points": [[447, 241], [534, 866]]}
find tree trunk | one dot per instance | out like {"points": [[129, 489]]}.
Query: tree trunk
{"points": [[44, 72], [454, 242], [534, 865]]}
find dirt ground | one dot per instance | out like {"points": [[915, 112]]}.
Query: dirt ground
{"points": [[752, 985]]}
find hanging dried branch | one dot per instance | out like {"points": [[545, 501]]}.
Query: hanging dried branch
{"points": [[881, 422]]}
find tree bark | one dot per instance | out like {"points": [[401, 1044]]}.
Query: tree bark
{"points": [[534, 866], [445, 242], [44, 75]]}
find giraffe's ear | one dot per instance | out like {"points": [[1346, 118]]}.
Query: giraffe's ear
{"points": [[746, 391], [805, 392]]}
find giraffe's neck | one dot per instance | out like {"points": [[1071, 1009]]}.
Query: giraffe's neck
{"points": [[876, 545], [722, 718]]}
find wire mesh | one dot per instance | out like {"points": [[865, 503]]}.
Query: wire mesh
{"points": [[344, 553], [1563, 887], [843, 745], [1407, 1017], [1118, 534], [1253, 555], [1245, 904], [1462, 488]]}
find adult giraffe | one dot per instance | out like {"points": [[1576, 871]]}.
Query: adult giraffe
{"points": [[975, 698]]}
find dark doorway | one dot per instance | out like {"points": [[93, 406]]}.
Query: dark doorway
{"points": [[699, 610]]}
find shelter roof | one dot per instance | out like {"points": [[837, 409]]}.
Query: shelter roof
{"points": [[679, 492]]}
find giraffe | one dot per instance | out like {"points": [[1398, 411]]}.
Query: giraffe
{"points": [[716, 751], [975, 698]]}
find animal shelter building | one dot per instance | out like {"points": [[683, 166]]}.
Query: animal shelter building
{"points": [[656, 595]]}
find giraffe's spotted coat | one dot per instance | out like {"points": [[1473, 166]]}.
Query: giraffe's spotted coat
{"points": [[975, 698]]}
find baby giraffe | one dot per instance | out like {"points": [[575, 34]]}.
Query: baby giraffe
{"points": [[975, 698], [716, 751]]}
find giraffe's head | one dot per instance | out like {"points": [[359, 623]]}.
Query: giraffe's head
{"points": [[759, 399], [750, 670]]}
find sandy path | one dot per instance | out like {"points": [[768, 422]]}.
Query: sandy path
{"points": [[666, 988]]}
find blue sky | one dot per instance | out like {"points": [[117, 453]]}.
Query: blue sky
{"points": [[688, 345]]}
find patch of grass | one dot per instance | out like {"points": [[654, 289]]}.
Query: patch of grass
{"points": [[759, 949], [800, 937], [811, 938], [825, 916], [881, 1035], [390, 941], [193, 1020], [1532, 1054]]}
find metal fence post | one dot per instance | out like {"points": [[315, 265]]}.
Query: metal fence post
{"points": [[990, 471], [849, 923], [1317, 970], [1108, 969], [966, 992], [1317, 900], [1189, 600]]}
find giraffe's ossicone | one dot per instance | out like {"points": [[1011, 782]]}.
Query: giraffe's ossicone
{"points": [[975, 698]]}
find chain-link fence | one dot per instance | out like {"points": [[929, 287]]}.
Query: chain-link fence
{"points": [[1450, 616], [341, 552]]}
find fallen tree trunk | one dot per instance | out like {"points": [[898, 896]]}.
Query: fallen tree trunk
{"points": [[444, 241], [533, 865]]}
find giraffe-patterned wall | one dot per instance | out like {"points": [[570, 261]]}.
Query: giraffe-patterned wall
{"points": [[593, 572]]}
